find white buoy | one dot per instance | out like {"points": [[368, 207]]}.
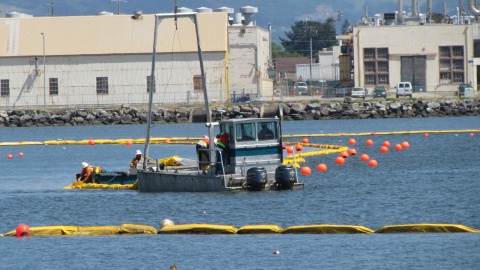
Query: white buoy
{"points": [[166, 222]]}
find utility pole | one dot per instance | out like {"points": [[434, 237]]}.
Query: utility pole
{"points": [[44, 75], [118, 4]]}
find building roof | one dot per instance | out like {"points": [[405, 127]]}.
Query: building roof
{"points": [[288, 64], [117, 34]]}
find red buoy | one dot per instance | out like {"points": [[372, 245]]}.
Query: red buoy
{"points": [[284, 145], [306, 170], [425, 135], [369, 142], [373, 134], [129, 143], [383, 149], [20, 154], [340, 161], [299, 147], [305, 140], [9, 156], [386, 143], [352, 141], [398, 147], [91, 142], [373, 163], [343, 154], [364, 157], [167, 141], [22, 230], [352, 152], [276, 252], [290, 150], [405, 145], [471, 134], [322, 167]]}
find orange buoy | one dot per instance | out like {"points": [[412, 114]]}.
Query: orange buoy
{"points": [[91, 142], [284, 145], [425, 135], [9, 156], [405, 145], [322, 167], [299, 147], [398, 147], [340, 161], [364, 157], [290, 150], [373, 133], [167, 141], [383, 149], [471, 134], [386, 143], [373, 163], [352, 141], [339, 133], [369, 142], [129, 143], [305, 140], [20, 154], [306, 170], [22, 230], [343, 154], [352, 152]]}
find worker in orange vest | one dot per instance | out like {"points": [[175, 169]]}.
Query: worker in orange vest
{"points": [[202, 153], [87, 171]]}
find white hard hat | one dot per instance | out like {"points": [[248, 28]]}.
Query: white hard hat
{"points": [[138, 152], [84, 164]]}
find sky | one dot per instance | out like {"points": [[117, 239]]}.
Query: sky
{"points": [[281, 14]]}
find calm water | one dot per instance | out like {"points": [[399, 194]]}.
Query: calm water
{"points": [[436, 180]]}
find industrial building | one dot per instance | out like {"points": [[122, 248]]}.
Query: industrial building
{"points": [[408, 46], [107, 59]]}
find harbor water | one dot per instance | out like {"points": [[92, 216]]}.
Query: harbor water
{"points": [[436, 180]]}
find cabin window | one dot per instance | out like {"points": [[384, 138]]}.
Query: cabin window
{"points": [[53, 86], [102, 85], [5, 88], [246, 132], [149, 86], [267, 131]]}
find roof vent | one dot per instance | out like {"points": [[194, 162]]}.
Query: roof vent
{"points": [[204, 10], [248, 13], [184, 10], [15, 14], [105, 13]]}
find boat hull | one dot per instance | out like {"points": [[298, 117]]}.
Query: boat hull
{"points": [[114, 178], [162, 181]]}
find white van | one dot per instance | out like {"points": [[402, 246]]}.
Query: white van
{"points": [[404, 89]]}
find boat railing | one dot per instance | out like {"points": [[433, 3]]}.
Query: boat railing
{"points": [[218, 161]]}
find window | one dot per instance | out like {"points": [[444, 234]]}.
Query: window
{"points": [[53, 86], [246, 132], [369, 53], [149, 80], [102, 85], [451, 65], [376, 66], [197, 83], [267, 131], [5, 88], [370, 67]]}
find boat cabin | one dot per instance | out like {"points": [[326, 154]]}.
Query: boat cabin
{"points": [[253, 142]]}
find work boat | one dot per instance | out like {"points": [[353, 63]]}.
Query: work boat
{"points": [[253, 162], [252, 158]]}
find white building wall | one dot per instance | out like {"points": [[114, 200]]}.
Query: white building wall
{"points": [[248, 60], [127, 79], [421, 40]]}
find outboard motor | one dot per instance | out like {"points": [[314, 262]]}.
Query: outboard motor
{"points": [[285, 177], [256, 179]]}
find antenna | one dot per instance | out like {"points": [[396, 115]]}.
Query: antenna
{"points": [[118, 4], [52, 6]]}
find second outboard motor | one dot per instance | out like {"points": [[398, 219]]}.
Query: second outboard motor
{"points": [[256, 179], [285, 177]]}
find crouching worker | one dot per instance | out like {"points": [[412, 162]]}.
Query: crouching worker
{"points": [[87, 171]]}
